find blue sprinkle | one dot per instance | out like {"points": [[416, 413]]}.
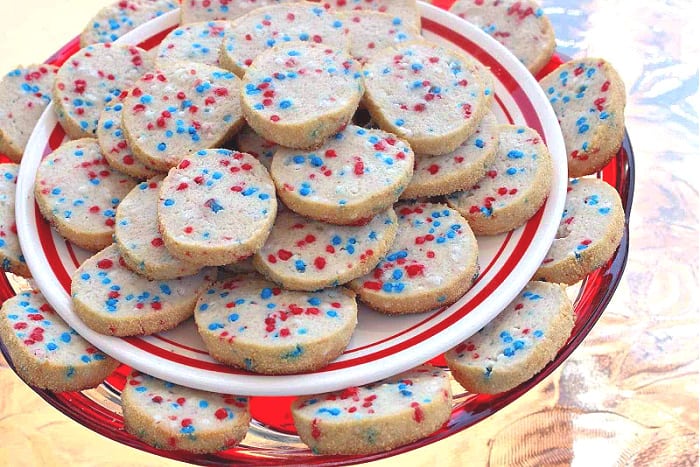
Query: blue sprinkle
{"points": [[233, 317], [266, 293]]}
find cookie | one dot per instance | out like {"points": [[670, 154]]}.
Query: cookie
{"points": [[45, 351], [276, 100], [354, 176], [230, 203], [520, 25], [253, 324], [174, 112], [78, 193], [266, 27], [10, 252], [170, 417], [590, 231], [458, 170], [407, 10], [433, 97], [250, 142], [371, 31], [517, 344], [113, 300], [193, 43], [92, 78], [515, 187], [432, 263], [376, 417], [120, 17], [588, 98], [24, 94], [193, 11]]}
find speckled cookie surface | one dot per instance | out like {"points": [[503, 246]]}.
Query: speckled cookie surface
{"points": [[11, 257], [78, 193], [168, 416], [193, 43], [432, 263], [177, 111], [253, 324], [588, 97], [371, 31], [276, 100], [113, 300], [407, 10], [250, 142], [515, 186], [122, 16], [193, 11], [433, 97], [356, 174], [45, 351], [376, 417], [518, 343]]}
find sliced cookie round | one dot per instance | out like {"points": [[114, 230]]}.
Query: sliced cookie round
{"points": [[45, 351], [278, 105], [193, 43], [192, 11], [432, 263], [248, 141], [588, 97], [78, 193], [92, 78], [376, 417], [253, 324], [371, 31], [515, 187], [10, 252], [113, 300], [230, 203], [407, 10], [170, 417], [590, 231], [355, 175], [433, 97], [24, 94], [517, 344]]}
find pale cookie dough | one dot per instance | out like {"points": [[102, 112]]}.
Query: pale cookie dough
{"points": [[122, 16], [193, 43], [11, 254], [250, 142], [370, 32], [407, 10], [193, 11]]}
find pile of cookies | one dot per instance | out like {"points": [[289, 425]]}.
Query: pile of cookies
{"points": [[310, 212]]}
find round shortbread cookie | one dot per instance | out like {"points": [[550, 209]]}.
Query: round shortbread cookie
{"points": [[116, 19], [515, 187], [459, 170], [253, 324], [248, 141], [517, 344], [177, 111], [92, 78], [78, 193], [520, 25], [230, 203], [407, 10], [433, 97], [193, 43], [433, 262], [45, 351], [10, 252], [266, 27], [376, 417], [303, 254], [192, 11], [112, 299], [24, 94], [139, 240], [355, 175], [590, 231], [278, 105], [588, 97], [370, 32]]}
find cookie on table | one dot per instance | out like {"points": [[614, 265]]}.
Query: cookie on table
{"points": [[113, 300], [45, 351], [230, 203], [459, 170], [371, 31], [517, 344], [276, 100], [78, 193], [432, 262], [193, 43], [407, 10], [24, 94], [253, 324], [120, 17], [590, 231], [174, 112], [266, 27], [520, 25], [10, 252], [170, 417], [92, 78], [192, 11], [588, 98], [516, 185], [431, 96], [355, 175], [375, 417], [250, 142]]}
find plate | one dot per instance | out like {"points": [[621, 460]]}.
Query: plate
{"points": [[382, 345]]}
